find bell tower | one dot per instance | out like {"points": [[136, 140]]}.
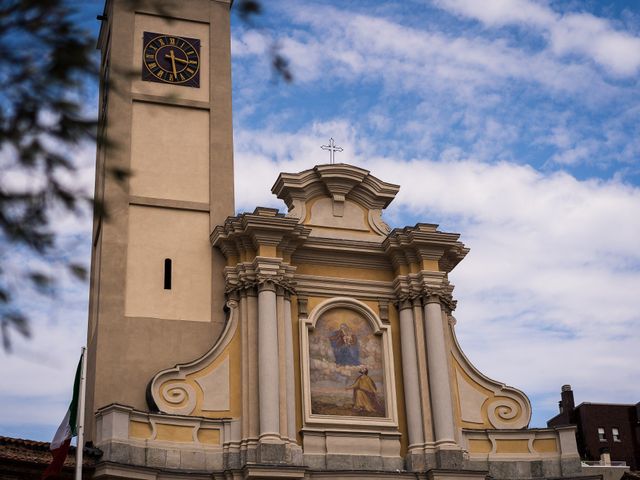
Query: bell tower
{"points": [[157, 289]]}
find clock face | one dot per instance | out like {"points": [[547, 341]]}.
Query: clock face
{"points": [[171, 59]]}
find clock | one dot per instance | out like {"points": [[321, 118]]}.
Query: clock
{"points": [[171, 59]]}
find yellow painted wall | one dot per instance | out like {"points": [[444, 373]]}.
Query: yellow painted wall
{"points": [[142, 430], [174, 433], [209, 436], [480, 445], [344, 272], [512, 446], [545, 445]]}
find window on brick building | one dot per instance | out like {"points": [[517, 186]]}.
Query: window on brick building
{"points": [[601, 435], [615, 434]]}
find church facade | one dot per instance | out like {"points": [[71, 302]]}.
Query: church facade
{"points": [[315, 343]]}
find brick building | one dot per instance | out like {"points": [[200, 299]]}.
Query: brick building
{"points": [[602, 427]]}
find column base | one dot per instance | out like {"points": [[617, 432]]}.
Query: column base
{"points": [[278, 453], [449, 459], [420, 461]]}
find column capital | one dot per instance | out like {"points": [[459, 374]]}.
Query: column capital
{"points": [[441, 294], [424, 287], [404, 303], [267, 285], [431, 297]]}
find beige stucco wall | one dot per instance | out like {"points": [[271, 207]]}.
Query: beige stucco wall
{"points": [[170, 152], [156, 234], [131, 339]]}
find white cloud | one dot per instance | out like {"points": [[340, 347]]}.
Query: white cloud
{"points": [[494, 92], [571, 33], [500, 12], [417, 60]]}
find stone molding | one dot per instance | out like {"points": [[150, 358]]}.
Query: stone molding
{"points": [[262, 272], [529, 444], [315, 285], [148, 449], [425, 286], [423, 242], [242, 236], [169, 392], [340, 182]]}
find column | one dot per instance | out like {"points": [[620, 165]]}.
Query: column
{"points": [[268, 385], [282, 366], [244, 325], [410, 376], [291, 382], [438, 364], [425, 396], [252, 358]]}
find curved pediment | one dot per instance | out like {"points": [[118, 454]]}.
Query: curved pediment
{"points": [[337, 200]]}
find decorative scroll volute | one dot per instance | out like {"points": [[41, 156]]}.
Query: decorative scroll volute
{"points": [[484, 403], [200, 385]]}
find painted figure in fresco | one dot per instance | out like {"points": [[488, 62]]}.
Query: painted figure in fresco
{"points": [[365, 400], [345, 346]]}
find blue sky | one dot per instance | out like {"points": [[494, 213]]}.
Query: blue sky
{"points": [[513, 122]]}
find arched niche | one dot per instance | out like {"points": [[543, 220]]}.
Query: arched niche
{"points": [[347, 366]]}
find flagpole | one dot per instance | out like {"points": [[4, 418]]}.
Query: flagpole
{"points": [[83, 385]]}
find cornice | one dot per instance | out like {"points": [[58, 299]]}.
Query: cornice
{"points": [[263, 227], [425, 242], [339, 181], [316, 285], [425, 286], [262, 271]]}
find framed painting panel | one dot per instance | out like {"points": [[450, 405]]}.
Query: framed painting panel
{"points": [[347, 365]]}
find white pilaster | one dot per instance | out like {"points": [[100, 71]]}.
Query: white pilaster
{"points": [[283, 400], [252, 358], [291, 386], [439, 382], [410, 376], [244, 323], [268, 384]]}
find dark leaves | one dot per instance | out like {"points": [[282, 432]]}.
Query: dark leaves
{"points": [[118, 173], [78, 271], [17, 322], [281, 66], [248, 8], [46, 63]]}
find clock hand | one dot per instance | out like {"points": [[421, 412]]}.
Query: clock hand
{"points": [[181, 60], [173, 63]]}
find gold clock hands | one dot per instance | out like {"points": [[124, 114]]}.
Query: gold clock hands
{"points": [[181, 60], [173, 63]]}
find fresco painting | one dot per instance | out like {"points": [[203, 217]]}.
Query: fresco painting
{"points": [[346, 366]]}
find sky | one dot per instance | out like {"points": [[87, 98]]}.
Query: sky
{"points": [[515, 123]]}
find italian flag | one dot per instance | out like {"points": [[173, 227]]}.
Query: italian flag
{"points": [[66, 431]]}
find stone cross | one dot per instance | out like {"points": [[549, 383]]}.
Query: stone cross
{"points": [[332, 150]]}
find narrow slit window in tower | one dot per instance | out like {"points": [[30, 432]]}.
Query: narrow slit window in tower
{"points": [[167, 274]]}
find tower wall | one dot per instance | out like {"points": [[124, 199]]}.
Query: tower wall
{"points": [[176, 141]]}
